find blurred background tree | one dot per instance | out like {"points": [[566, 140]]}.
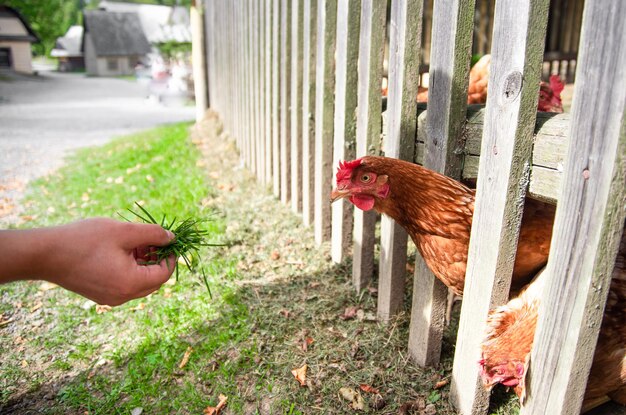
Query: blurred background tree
{"points": [[51, 18]]}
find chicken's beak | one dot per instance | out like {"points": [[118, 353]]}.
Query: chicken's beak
{"points": [[339, 194]]}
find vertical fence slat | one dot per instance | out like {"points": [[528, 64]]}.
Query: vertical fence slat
{"points": [[405, 41], [253, 90], [344, 141], [589, 220], [447, 104], [368, 128], [258, 68], [285, 86], [297, 8], [503, 174], [209, 10], [267, 28], [324, 108], [198, 57], [309, 47], [275, 98]]}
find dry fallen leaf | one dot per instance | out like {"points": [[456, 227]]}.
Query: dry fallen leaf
{"points": [[300, 374], [185, 360], [306, 342], [138, 307], [368, 388], [354, 396], [349, 313], [36, 307], [441, 383], [284, 313], [209, 410], [275, 255], [100, 309], [47, 286]]}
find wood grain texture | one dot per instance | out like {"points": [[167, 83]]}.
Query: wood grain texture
{"points": [[285, 94], [519, 35], [368, 128], [589, 221], [324, 109], [297, 9], [309, 48], [405, 41], [344, 141], [444, 144]]}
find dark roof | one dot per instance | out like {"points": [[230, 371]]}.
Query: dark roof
{"points": [[6, 11], [115, 34]]}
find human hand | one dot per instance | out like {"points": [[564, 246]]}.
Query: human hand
{"points": [[102, 259]]}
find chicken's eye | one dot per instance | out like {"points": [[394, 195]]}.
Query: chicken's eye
{"points": [[366, 178]]}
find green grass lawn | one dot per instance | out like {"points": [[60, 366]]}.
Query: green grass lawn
{"points": [[277, 304], [120, 357]]}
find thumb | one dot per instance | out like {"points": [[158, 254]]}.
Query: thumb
{"points": [[142, 234]]}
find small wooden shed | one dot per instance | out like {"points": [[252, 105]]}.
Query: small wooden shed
{"points": [[113, 43], [16, 38]]}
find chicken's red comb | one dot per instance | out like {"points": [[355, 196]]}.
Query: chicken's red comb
{"points": [[557, 85], [345, 168]]}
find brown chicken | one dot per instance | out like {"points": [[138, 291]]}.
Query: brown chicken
{"points": [[549, 93], [511, 331], [437, 211]]}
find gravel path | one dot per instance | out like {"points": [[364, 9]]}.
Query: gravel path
{"points": [[44, 118]]}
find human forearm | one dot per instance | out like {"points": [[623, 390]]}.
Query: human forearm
{"points": [[26, 253]]}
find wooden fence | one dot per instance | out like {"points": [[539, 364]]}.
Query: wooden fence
{"points": [[298, 86]]}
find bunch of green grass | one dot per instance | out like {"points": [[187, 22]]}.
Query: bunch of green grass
{"points": [[189, 238]]}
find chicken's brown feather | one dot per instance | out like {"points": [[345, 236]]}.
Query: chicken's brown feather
{"points": [[437, 211]]}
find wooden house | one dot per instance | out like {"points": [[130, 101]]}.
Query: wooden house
{"points": [[16, 38]]}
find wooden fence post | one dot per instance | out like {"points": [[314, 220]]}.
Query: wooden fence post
{"points": [[447, 104], [309, 47], [504, 169], [285, 86], [324, 109], [275, 98], [344, 141], [589, 220], [368, 129], [404, 46], [297, 10]]}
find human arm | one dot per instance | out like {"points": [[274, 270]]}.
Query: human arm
{"points": [[98, 258]]}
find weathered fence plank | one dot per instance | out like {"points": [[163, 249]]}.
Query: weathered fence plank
{"points": [[324, 108], [297, 9], [589, 220], [519, 34], [309, 46], [368, 129], [344, 142], [249, 13], [256, 71], [285, 87], [448, 81], [405, 41], [198, 56], [275, 98], [209, 38], [260, 92], [267, 29]]}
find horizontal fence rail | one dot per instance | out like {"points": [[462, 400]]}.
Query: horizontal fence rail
{"points": [[298, 85]]}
